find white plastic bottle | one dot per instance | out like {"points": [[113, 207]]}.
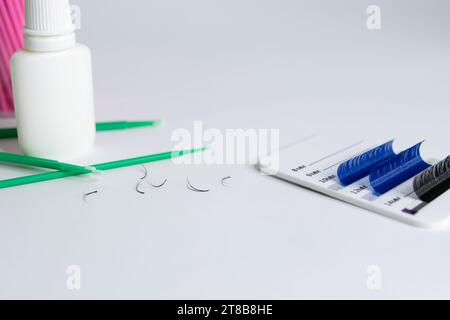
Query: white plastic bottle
{"points": [[52, 84]]}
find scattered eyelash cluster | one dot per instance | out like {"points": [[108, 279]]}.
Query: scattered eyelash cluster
{"points": [[188, 184], [195, 189], [143, 179]]}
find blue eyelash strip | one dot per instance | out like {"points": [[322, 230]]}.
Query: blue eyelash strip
{"points": [[359, 167], [397, 170]]}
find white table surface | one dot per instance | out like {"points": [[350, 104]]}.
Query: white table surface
{"points": [[298, 66]]}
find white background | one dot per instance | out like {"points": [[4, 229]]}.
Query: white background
{"points": [[298, 66]]}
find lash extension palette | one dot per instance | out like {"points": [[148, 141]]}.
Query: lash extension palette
{"points": [[406, 181]]}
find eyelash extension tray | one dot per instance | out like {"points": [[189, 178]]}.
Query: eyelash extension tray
{"points": [[406, 182]]}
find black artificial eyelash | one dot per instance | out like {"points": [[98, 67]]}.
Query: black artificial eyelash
{"points": [[138, 185], [192, 188], [160, 185], [142, 179], [145, 173], [433, 182], [223, 181]]}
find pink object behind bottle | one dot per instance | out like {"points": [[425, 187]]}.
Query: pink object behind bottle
{"points": [[12, 21]]}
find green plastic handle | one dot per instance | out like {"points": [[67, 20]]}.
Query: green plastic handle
{"points": [[122, 125], [42, 163], [100, 126], [103, 166]]}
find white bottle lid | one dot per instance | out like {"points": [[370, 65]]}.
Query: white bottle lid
{"points": [[49, 25]]}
